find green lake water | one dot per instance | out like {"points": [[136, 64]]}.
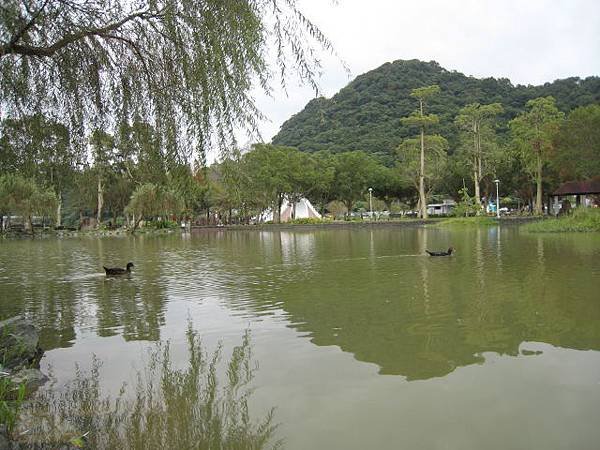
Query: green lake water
{"points": [[362, 341]]}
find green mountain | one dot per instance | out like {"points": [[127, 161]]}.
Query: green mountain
{"points": [[365, 115]]}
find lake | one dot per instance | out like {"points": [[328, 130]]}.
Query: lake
{"points": [[362, 340]]}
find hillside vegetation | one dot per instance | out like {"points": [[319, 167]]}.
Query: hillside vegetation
{"points": [[365, 115]]}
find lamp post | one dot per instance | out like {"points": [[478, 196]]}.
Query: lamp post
{"points": [[371, 203], [497, 199]]}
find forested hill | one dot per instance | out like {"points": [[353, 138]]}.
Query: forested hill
{"points": [[365, 115]]}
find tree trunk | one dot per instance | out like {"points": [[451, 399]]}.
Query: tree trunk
{"points": [[136, 223], [100, 202], [422, 198], [538, 197], [279, 203], [477, 193], [477, 167], [28, 225], [59, 211]]}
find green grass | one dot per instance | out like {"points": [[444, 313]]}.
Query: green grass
{"points": [[466, 221], [308, 221], [581, 220], [12, 396], [168, 407]]}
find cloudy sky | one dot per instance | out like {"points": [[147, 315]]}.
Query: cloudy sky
{"points": [[527, 41]]}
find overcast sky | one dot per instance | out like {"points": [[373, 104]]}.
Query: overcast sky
{"points": [[527, 41]]}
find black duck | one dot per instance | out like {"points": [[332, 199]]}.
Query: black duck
{"points": [[118, 270], [447, 253]]}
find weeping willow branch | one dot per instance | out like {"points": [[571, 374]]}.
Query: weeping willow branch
{"points": [[187, 67]]}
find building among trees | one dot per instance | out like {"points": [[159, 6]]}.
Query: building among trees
{"points": [[577, 193]]}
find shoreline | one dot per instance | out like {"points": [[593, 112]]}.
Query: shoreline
{"points": [[402, 223]]}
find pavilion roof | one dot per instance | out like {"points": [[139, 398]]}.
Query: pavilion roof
{"points": [[579, 187]]}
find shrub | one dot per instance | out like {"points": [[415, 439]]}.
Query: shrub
{"points": [[467, 205], [163, 224]]}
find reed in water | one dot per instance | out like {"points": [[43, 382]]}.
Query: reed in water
{"points": [[169, 408]]}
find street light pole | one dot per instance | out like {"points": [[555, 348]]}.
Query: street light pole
{"points": [[371, 203], [497, 199]]}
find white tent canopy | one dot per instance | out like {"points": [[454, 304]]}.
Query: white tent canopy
{"points": [[302, 209]]}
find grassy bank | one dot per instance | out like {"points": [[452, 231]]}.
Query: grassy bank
{"points": [[467, 222], [327, 224], [582, 220]]}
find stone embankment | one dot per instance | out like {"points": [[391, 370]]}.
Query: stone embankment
{"points": [[20, 355]]}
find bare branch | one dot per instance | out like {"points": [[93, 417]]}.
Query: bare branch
{"points": [[31, 50]]}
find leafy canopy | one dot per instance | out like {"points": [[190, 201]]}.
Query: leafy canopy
{"points": [[22, 196], [534, 130], [578, 144], [408, 163], [184, 66]]}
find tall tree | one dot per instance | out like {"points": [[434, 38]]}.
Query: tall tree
{"points": [[143, 154], [22, 196], [282, 173], [304, 176], [533, 133], [477, 125], [150, 200], [38, 147], [104, 154], [186, 66], [410, 165], [421, 120], [578, 144], [268, 172], [230, 181], [389, 185], [322, 190], [354, 173]]}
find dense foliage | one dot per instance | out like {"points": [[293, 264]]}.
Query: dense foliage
{"points": [[128, 176], [186, 67], [365, 115]]}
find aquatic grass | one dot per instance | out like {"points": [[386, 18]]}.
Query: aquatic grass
{"points": [[168, 408], [12, 396], [581, 220]]}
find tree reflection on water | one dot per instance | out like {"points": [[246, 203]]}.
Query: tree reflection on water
{"points": [[169, 407]]}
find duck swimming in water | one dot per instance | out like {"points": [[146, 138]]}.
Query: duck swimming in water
{"points": [[118, 270], [448, 253]]}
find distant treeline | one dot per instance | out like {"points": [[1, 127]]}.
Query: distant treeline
{"points": [[132, 174]]}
